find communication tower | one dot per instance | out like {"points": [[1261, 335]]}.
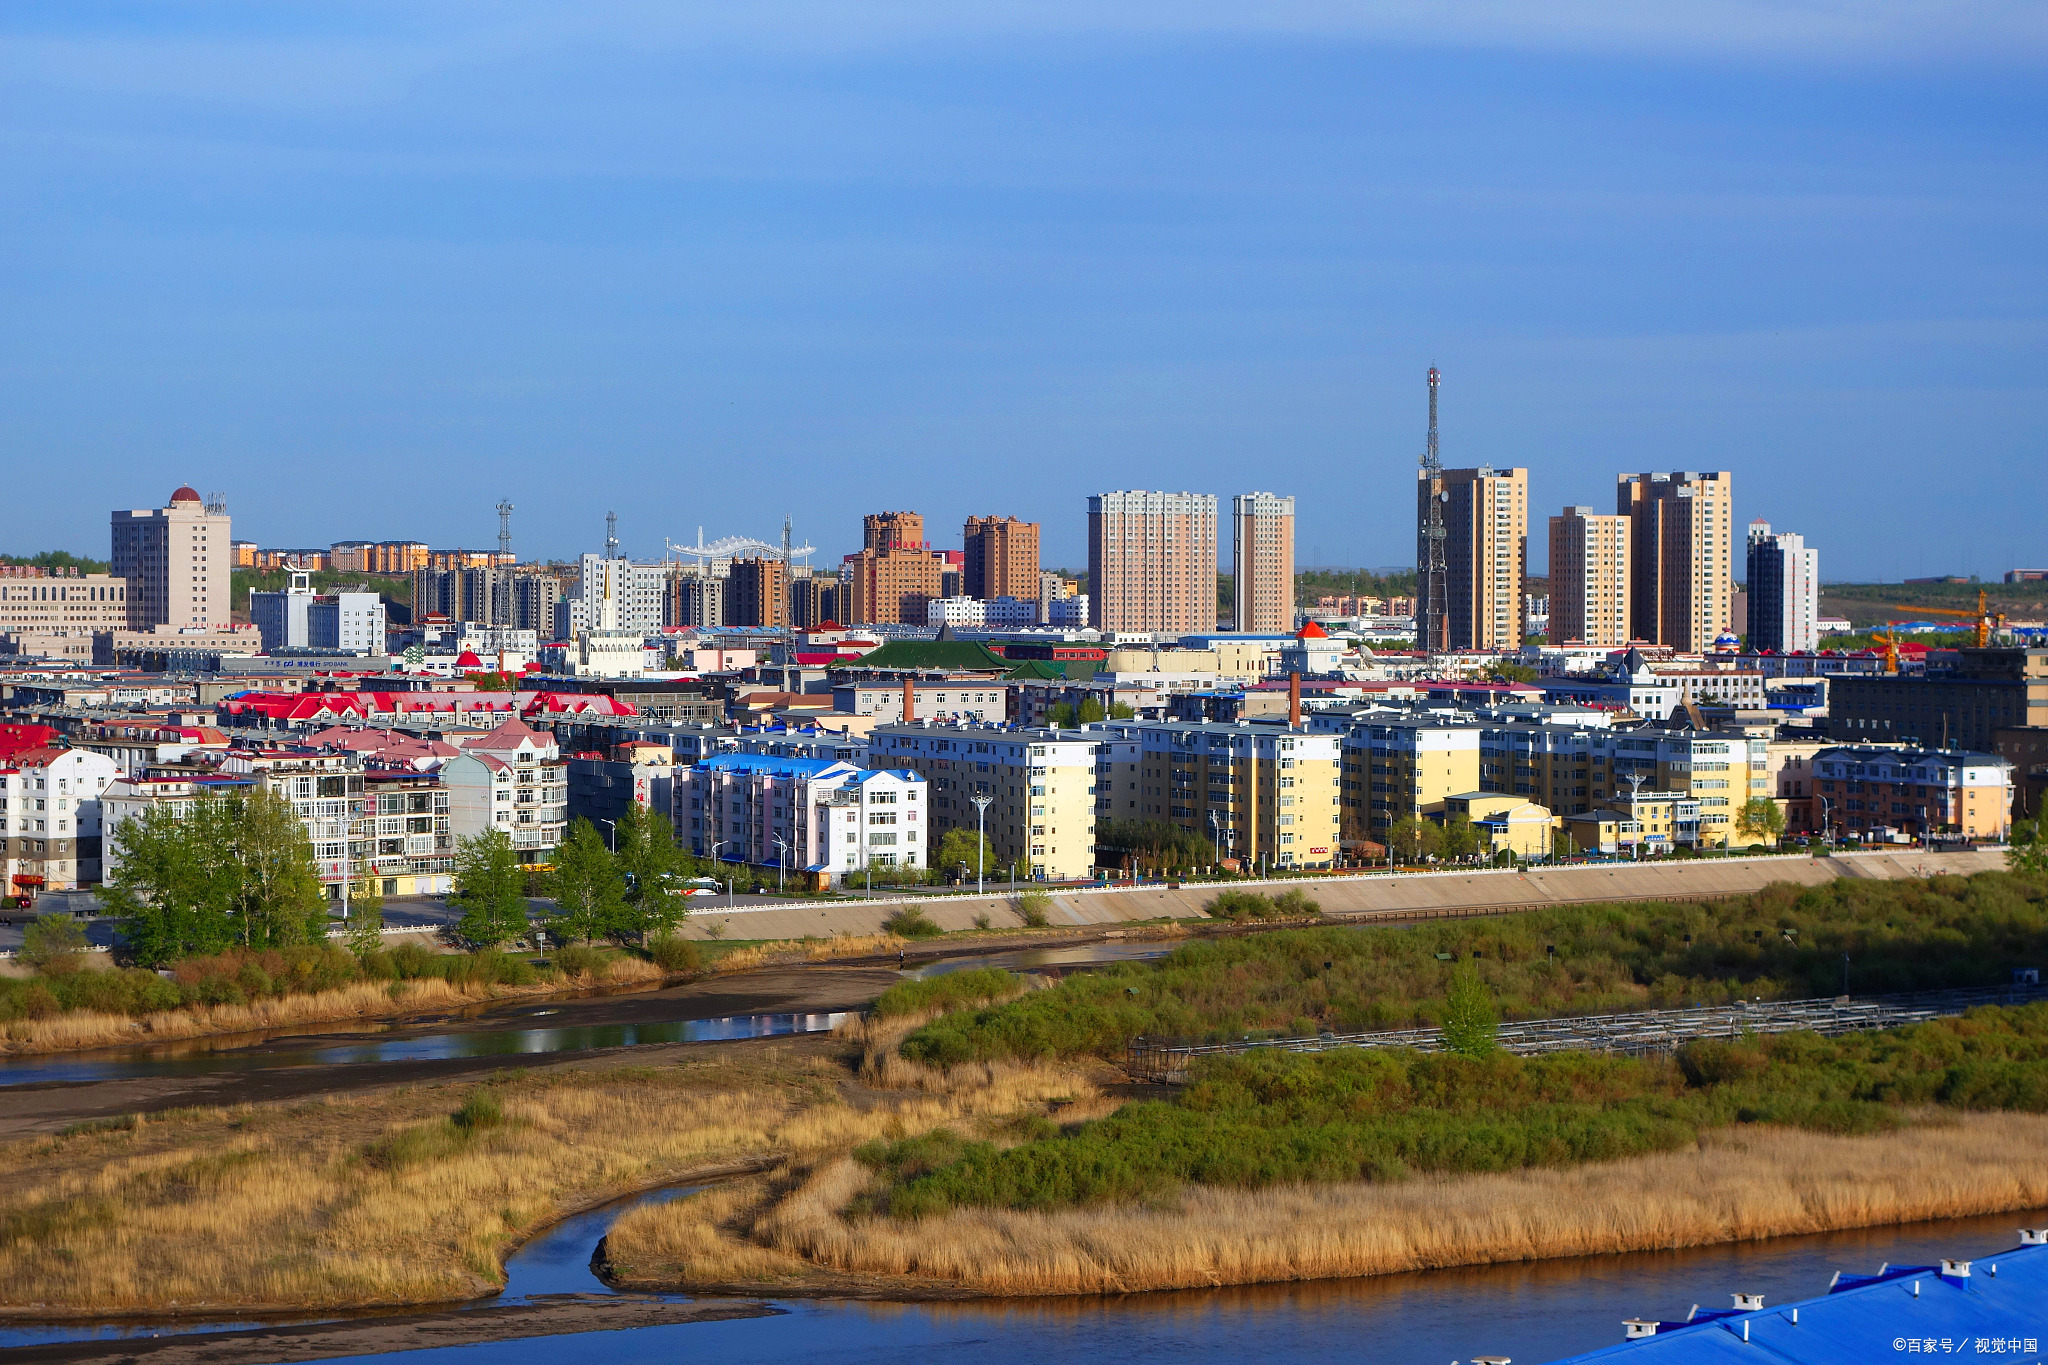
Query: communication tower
{"points": [[1431, 561]]}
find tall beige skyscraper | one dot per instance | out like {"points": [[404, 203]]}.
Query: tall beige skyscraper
{"points": [[177, 560], [1262, 563], [1589, 577], [1152, 561], [1486, 544], [1682, 551]]}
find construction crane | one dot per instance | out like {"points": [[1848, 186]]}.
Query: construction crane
{"points": [[1987, 620]]}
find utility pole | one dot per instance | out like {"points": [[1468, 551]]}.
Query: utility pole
{"points": [[1435, 607]]}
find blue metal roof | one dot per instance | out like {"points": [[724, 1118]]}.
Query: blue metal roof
{"points": [[1997, 1305], [768, 765]]}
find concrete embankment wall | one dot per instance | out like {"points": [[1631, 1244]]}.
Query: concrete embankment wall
{"points": [[1420, 895]]}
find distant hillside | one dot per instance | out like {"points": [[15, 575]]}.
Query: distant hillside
{"points": [[58, 559], [1872, 604]]}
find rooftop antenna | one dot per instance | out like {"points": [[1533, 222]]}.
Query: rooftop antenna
{"points": [[611, 535], [216, 504], [1436, 615], [505, 529]]}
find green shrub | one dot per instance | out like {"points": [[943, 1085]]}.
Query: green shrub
{"points": [[580, 960], [1034, 907], [480, 1110], [1267, 1117], [948, 991], [911, 922], [1782, 942], [673, 953]]}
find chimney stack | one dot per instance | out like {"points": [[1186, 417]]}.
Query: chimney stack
{"points": [[1294, 699], [909, 701]]}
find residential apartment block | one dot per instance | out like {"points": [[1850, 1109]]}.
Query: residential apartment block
{"points": [[1267, 793], [1262, 563], [1963, 706], [513, 779], [1040, 784], [1783, 582], [1681, 542], [176, 561], [757, 593], [895, 575], [51, 817], [1589, 579], [1861, 789], [1486, 546], [815, 816], [1398, 768], [1152, 561], [1001, 558]]}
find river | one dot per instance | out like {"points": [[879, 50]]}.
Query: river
{"points": [[1531, 1312]]}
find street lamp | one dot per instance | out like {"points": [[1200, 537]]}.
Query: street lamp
{"points": [[1216, 837], [781, 861], [611, 834], [981, 841]]}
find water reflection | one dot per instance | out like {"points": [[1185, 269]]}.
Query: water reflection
{"points": [[1030, 959], [477, 1043]]}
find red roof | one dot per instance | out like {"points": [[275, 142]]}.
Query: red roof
{"points": [[15, 739], [185, 493], [828, 625], [468, 659], [1311, 631]]}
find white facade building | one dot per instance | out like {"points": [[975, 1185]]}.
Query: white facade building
{"points": [[1040, 784], [299, 618], [511, 779], [813, 815], [956, 611], [51, 818]]}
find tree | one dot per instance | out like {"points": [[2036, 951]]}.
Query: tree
{"points": [[589, 891], [490, 888], [366, 914], [1471, 1023], [1563, 845], [279, 898], [53, 944], [1760, 818], [959, 848], [1459, 839], [1089, 711], [1121, 711], [1519, 673], [1413, 839], [227, 870], [649, 861]]}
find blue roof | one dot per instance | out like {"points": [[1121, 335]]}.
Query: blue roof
{"points": [[2001, 1301], [768, 765]]}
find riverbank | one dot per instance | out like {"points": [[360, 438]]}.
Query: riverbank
{"points": [[387, 1333], [412, 1195], [1748, 1184]]}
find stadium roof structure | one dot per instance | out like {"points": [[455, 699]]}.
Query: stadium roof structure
{"points": [[1996, 1305]]}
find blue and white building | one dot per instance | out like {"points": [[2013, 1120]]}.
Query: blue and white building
{"points": [[820, 816]]}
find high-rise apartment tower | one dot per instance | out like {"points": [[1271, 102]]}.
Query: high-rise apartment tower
{"points": [[1484, 514], [1589, 567], [1681, 539], [895, 575], [177, 561], [757, 593], [1001, 558], [1784, 591], [1152, 561], [1262, 563]]}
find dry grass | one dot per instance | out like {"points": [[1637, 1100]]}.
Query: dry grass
{"points": [[363, 1000], [780, 951], [381, 1199], [1737, 1185]]}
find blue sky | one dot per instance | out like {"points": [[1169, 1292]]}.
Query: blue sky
{"points": [[367, 269]]}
